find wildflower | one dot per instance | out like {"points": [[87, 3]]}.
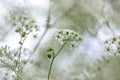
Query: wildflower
{"points": [[113, 45], [22, 21], [70, 36], [8, 57]]}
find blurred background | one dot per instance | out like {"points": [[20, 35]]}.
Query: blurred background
{"points": [[95, 20]]}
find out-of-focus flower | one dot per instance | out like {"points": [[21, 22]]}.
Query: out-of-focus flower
{"points": [[22, 21], [8, 57], [113, 45]]}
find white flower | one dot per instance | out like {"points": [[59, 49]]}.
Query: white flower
{"points": [[22, 21], [8, 56], [113, 45], [72, 37]]}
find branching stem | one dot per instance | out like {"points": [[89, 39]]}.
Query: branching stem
{"points": [[53, 58]]}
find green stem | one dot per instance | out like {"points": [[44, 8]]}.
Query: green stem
{"points": [[54, 59], [19, 60], [50, 68], [43, 35], [60, 49], [36, 47], [22, 40]]}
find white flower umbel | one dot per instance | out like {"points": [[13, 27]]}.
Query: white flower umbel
{"points": [[22, 21], [72, 37], [113, 45]]}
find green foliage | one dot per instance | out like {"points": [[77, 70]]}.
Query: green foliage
{"points": [[23, 23]]}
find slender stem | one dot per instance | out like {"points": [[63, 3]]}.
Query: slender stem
{"points": [[19, 54], [60, 49], [54, 59], [22, 40], [36, 47], [50, 68], [41, 38]]}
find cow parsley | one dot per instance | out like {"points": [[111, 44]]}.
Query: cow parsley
{"points": [[72, 37], [65, 37], [113, 45]]}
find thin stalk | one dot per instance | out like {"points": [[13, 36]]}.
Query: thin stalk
{"points": [[48, 78], [50, 68], [22, 40], [19, 60], [41, 38], [36, 47], [60, 49]]}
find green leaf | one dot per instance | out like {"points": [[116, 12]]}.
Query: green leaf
{"points": [[18, 30], [20, 43], [49, 56], [49, 49]]}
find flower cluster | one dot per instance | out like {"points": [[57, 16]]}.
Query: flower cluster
{"points": [[6, 74], [70, 36], [8, 57], [113, 45], [23, 22]]}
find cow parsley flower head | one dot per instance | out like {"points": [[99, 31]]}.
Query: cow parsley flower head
{"points": [[22, 21], [113, 45], [72, 37]]}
